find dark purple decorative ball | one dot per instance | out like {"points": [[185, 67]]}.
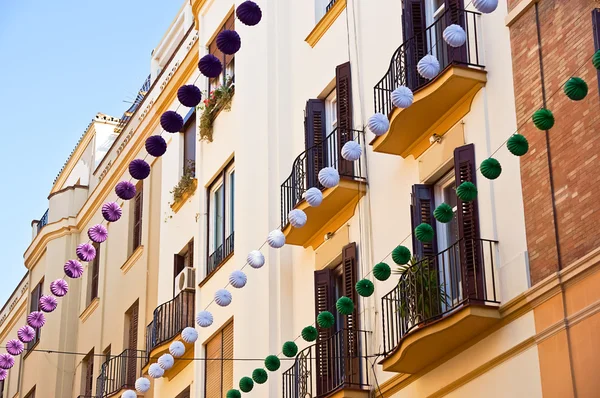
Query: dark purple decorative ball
{"points": [[125, 190], [59, 288], [26, 334], [111, 211], [36, 319], [249, 13], [171, 121], [189, 95], [48, 303], [73, 269], [139, 169], [6, 361], [210, 66], [86, 252], [229, 41], [156, 145], [14, 347], [98, 233]]}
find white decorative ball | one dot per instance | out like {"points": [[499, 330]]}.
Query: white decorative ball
{"points": [[351, 151], [455, 35], [129, 394], [142, 385], [177, 349], [204, 319], [329, 177], [189, 335], [223, 297], [238, 279], [166, 361], [155, 371], [402, 97], [485, 6], [378, 124], [313, 197], [428, 67], [256, 259], [297, 218], [276, 239]]}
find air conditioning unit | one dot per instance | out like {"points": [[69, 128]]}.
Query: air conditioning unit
{"points": [[186, 280]]}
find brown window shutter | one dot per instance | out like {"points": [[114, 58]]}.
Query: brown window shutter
{"points": [[137, 217], [324, 297], [227, 377], [350, 335], [34, 305], [344, 115], [95, 274], [89, 374], [229, 25], [190, 253], [413, 27], [133, 344], [422, 207], [314, 140], [468, 223], [596, 27], [454, 15], [189, 143]]}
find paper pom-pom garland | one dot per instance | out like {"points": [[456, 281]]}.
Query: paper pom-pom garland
{"points": [[177, 349], [3, 374], [129, 394], [59, 287], [576, 88], [111, 211], [260, 376], [189, 335], [345, 305], [382, 271], [543, 119], [428, 67], [443, 213], [204, 319], [26, 334], [249, 13], [14, 347], [517, 145], [256, 259], [329, 177], [272, 363], [189, 95], [166, 361], [98, 233], [125, 190], [424, 232], [402, 97], [485, 6], [86, 252], [229, 41], [139, 169], [223, 297], [155, 371], [491, 168], [310, 333], [467, 191], [401, 255], [233, 393], [276, 239], [246, 384], [289, 349], [378, 124], [142, 385], [313, 197], [73, 269], [238, 279], [325, 320], [210, 66], [36, 319], [297, 218], [171, 121], [365, 287], [455, 35], [48, 303], [596, 60], [156, 145], [7, 361], [351, 151]]}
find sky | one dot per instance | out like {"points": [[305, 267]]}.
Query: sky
{"points": [[61, 62]]}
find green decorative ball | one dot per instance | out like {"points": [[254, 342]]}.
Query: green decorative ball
{"points": [[596, 60], [401, 255], [233, 393], [260, 376], [365, 287], [325, 320], [467, 191], [382, 271], [576, 88], [272, 363], [290, 349], [490, 168], [517, 145], [543, 119], [424, 232], [246, 384], [345, 305], [443, 213], [310, 333]]}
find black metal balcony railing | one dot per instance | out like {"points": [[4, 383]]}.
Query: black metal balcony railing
{"points": [[220, 254], [339, 362], [306, 166], [119, 372], [436, 286], [43, 221], [403, 66], [169, 319], [135, 105], [329, 6]]}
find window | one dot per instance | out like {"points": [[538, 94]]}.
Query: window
{"points": [[218, 373], [183, 259], [227, 60], [1, 388], [93, 276], [189, 144], [31, 394], [322, 7], [34, 305], [136, 208], [88, 374]]}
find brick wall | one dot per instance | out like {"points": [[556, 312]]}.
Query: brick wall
{"points": [[567, 44]]}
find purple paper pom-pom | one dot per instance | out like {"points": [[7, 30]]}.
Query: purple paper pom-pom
{"points": [[189, 95], [111, 211], [26, 333], [73, 269], [86, 252], [98, 233], [59, 287], [249, 13], [3, 374], [171, 121], [139, 169], [36, 319], [14, 347], [156, 145], [6, 361], [210, 66], [125, 190], [48, 303], [229, 41]]}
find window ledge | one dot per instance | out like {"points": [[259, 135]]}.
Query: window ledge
{"points": [[132, 259], [89, 309], [325, 23], [214, 271], [30, 350], [179, 204]]}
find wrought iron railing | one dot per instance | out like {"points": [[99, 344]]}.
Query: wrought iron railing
{"points": [[220, 254], [169, 319], [135, 105], [119, 372], [327, 366], [43, 221], [436, 286], [403, 66], [329, 6], [306, 166]]}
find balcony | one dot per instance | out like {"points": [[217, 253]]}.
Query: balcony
{"points": [[119, 373], [440, 304], [220, 256], [439, 103], [336, 367], [169, 319], [43, 222], [339, 203]]}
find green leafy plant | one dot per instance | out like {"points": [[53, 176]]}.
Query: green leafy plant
{"points": [[186, 182], [216, 101]]}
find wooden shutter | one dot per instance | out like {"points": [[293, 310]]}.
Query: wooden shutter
{"points": [[34, 305], [596, 27], [227, 366], [133, 343], [89, 374], [324, 301], [95, 274], [213, 368], [468, 225], [454, 15], [190, 253], [422, 207], [189, 144], [351, 335], [229, 25], [413, 30], [344, 116], [314, 140], [137, 217]]}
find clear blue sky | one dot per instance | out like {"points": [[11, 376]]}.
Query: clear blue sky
{"points": [[61, 62]]}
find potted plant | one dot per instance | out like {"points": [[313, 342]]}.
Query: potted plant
{"points": [[216, 101], [186, 186]]}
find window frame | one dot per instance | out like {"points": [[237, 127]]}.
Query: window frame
{"points": [[31, 393], [93, 277], [227, 61], [88, 360], [188, 122], [135, 222], [35, 306]]}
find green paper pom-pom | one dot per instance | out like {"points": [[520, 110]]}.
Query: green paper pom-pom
{"points": [[345, 305], [543, 119], [424, 232], [310, 333], [576, 88], [325, 320], [491, 169], [467, 191], [443, 213], [365, 287], [290, 349], [272, 363], [233, 393], [260, 376], [382, 271], [596, 60], [246, 384], [401, 255], [517, 145]]}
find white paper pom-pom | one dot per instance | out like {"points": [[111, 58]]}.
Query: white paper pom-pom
{"points": [[313, 197], [155, 371], [351, 151], [238, 279], [297, 218], [329, 177], [455, 35], [378, 124], [428, 67], [129, 394], [189, 335], [256, 259], [204, 319], [166, 361], [276, 239], [177, 349], [485, 6], [223, 297], [402, 97], [142, 385]]}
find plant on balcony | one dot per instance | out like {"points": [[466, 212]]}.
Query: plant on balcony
{"points": [[186, 184], [218, 100]]}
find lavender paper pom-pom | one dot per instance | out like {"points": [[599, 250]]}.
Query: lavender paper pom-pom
{"points": [[111, 211], [210, 66], [6, 361], [3, 374], [14, 347], [189, 95], [48, 303], [125, 190], [229, 41], [26, 333], [59, 287], [98, 233], [249, 13], [73, 269], [36, 319], [86, 252], [171, 121], [139, 169], [156, 145]]}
